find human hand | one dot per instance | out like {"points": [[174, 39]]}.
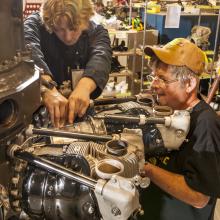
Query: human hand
{"points": [[57, 106], [78, 103]]}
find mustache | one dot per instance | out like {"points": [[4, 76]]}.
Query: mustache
{"points": [[156, 93]]}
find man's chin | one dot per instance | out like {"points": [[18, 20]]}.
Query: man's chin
{"points": [[69, 43]]}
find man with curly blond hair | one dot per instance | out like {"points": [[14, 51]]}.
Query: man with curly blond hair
{"points": [[63, 39]]}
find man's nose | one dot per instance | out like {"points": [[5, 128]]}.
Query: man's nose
{"points": [[68, 35], [154, 85]]}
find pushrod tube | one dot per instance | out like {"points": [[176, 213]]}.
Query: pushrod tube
{"points": [[132, 120], [68, 134], [55, 168]]}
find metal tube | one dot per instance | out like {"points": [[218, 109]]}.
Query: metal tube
{"points": [[67, 134], [123, 119], [107, 101], [55, 168], [152, 120], [216, 37], [130, 12], [133, 63], [132, 120], [144, 40], [214, 87], [199, 18], [11, 24]]}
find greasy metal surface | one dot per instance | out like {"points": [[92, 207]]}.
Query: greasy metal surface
{"points": [[17, 78], [51, 196], [19, 81], [19, 99], [11, 34]]}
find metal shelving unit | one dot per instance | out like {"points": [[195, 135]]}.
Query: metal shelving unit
{"points": [[132, 53]]}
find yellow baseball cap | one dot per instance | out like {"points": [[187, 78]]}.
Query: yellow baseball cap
{"points": [[179, 52]]}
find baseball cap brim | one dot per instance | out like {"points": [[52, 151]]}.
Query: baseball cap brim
{"points": [[164, 55]]}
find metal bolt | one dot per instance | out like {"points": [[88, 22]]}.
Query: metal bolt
{"points": [[18, 209], [179, 133], [91, 209], [49, 193], [131, 186], [14, 192], [15, 180], [51, 188], [16, 203], [113, 180], [141, 212], [158, 141], [43, 112], [116, 211], [3, 192], [18, 168]]}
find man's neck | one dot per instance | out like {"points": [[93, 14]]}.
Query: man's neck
{"points": [[193, 101]]}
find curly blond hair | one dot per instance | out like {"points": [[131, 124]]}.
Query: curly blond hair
{"points": [[78, 13]]}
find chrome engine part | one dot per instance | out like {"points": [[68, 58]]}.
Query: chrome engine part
{"points": [[48, 184], [43, 195], [151, 129], [129, 155], [117, 160]]}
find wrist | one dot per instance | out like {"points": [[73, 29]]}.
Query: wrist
{"points": [[142, 171], [87, 84], [49, 84], [46, 76], [148, 168], [43, 90]]}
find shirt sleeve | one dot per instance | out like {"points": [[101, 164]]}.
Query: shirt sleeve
{"points": [[32, 39], [202, 169], [99, 65]]}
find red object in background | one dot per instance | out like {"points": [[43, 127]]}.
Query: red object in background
{"points": [[30, 8], [122, 2]]}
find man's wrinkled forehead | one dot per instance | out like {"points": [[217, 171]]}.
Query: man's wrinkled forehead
{"points": [[156, 63]]}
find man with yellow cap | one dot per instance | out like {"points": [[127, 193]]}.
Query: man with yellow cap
{"points": [[186, 182]]}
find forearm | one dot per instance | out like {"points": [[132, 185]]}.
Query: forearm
{"points": [[87, 84], [175, 185]]}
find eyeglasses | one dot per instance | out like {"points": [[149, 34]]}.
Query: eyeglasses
{"points": [[152, 78]]}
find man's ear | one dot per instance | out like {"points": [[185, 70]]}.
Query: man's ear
{"points": [[191, 85]]}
